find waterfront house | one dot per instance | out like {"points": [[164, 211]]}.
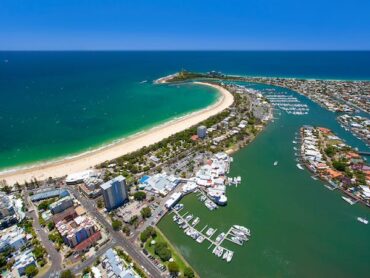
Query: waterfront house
{"points": [[334, 174]]}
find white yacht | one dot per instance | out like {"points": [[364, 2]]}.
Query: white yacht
{"points": [[243, 229], [236, 240], [229, 256], [195, 221], [240, 234], [189, 217], [299, 166], [276, 163], [348, 200], [220, 237], [362, 220], [210, 232]]}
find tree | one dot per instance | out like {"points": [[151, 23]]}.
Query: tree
{"points": [[67, 274], [2, 261], [6, 188], [144, 236], [39, 252], [133, 219], [51, 225], [100, 203], [126, 230], [87, 270], [173, 267], [139, 196], [188, 272], [161, 249], [117, 225], [147, 233], [146, 212], [44, 205], [339, 165], [330, 151], [31, 271]]}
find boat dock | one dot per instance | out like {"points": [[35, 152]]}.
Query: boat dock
{"points": [[202, 196], [207, 233]]}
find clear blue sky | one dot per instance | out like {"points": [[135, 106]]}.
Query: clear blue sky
{"points": [[190, 24]]}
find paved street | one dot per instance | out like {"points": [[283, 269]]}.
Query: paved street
{"points": [[54, 256], [118, 237], [157, 213], [81, 266]]}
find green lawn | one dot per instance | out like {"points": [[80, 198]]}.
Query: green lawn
{"points": [[175, 254]]}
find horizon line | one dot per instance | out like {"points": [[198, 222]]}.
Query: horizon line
{"points": [[185, 50]]}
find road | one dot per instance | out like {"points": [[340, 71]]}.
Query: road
{"points": [[117, 236], [157, 213], [83, 265], [54, 255]]}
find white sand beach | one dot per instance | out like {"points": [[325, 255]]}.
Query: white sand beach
{"points": [[90, 159]]}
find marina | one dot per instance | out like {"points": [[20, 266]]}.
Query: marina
{"points": [[202, 196], [187, 222], [288, 103], [259, 206]]}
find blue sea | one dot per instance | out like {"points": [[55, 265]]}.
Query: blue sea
{"points": [[55, 104]]}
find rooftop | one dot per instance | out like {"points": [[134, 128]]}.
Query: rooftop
{"points": [[109, 183]]}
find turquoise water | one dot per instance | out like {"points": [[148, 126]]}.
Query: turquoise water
{"points": [[299, 228], [59, 103], [55, 104], [50, 115]]}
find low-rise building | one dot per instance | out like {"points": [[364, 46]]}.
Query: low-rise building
{"points": [[6, 206], [13, 237], [61, 205], [48, 193], [22, 261], [79, 177], [8, 216], [160, 183], [115, 267], [76, 231]]}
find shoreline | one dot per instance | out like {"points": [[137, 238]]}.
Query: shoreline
{"points": [[89, 159]]}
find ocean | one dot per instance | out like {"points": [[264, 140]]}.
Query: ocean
{"points": [[56, 104]]}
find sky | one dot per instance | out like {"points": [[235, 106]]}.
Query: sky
{"points": [[184, 25]]}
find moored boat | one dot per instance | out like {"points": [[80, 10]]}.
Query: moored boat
{"points": [[362, 220], [243, 229], [229, 256], [299, 166], [349, 200]]}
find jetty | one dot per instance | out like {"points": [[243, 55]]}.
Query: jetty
{"points": [[233, 235]]}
